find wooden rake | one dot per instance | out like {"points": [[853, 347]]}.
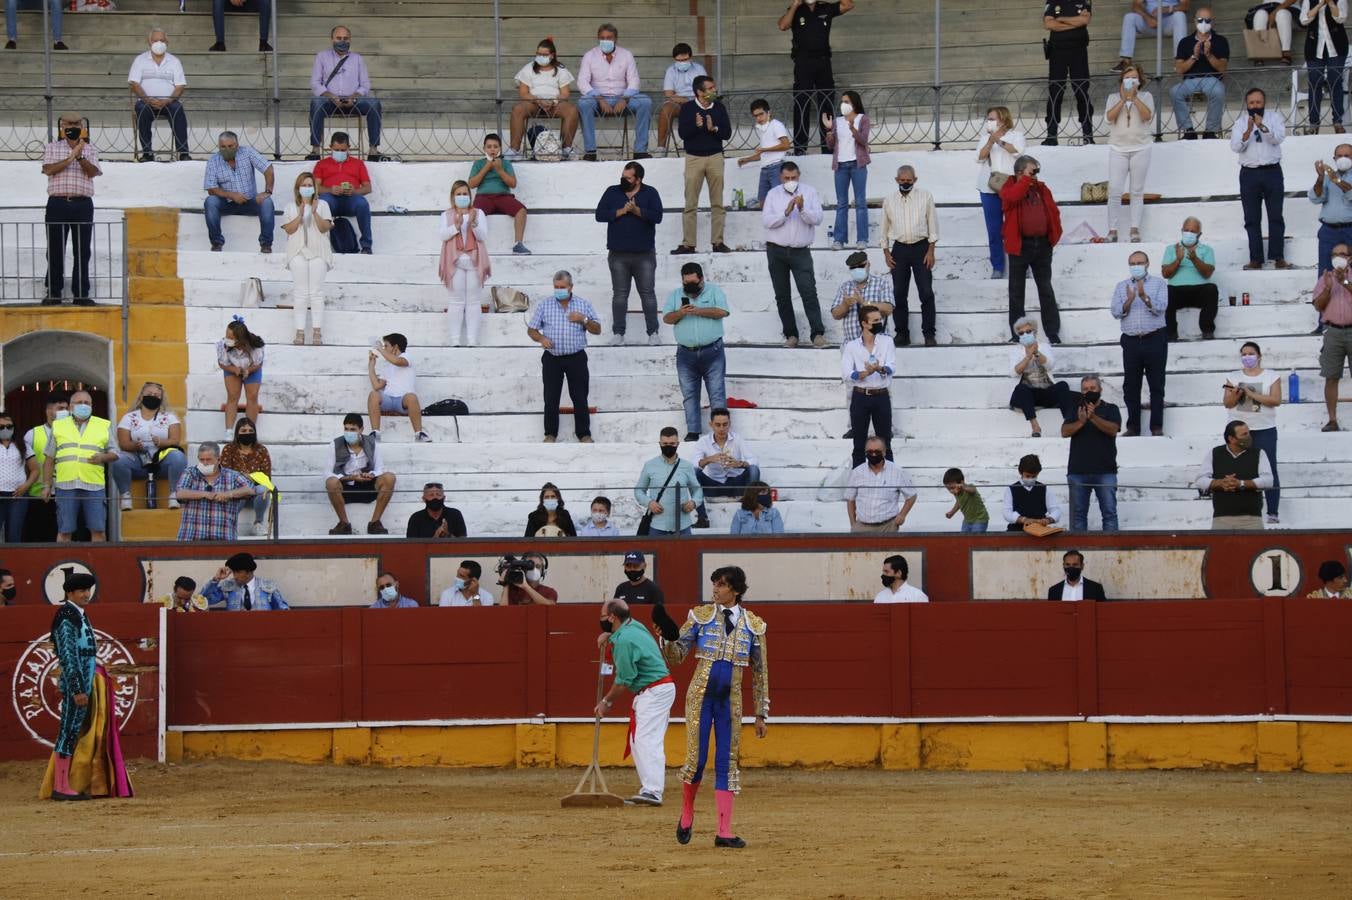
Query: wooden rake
{"points": [[592, 790]]}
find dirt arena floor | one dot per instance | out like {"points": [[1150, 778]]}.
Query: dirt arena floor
{"points": [[264, 830]]}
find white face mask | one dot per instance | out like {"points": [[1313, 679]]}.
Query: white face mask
{"points": [[600, 518], [206, 470], [1339, 262], [846, 109], [229, 342], [791, 187], [534, 575], [543, 60], [992, 126], [1343, 163], [1130, 84], [1203, 27], [550, 503], [158, 48]]}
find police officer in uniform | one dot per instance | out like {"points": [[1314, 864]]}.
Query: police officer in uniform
{"points": [[810, 22], [1067, 45]]}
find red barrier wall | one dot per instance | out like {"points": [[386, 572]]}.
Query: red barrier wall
{"points": [[1233, 657], [33, 704]]}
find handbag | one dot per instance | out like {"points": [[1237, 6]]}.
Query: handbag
{"points": [[1094, 192], [1265, 44], [645, 524], [997, 181], [251, 293], [509, 300]]}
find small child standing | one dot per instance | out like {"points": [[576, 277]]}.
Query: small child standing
{"points": [[772, 146], [967, 500]]}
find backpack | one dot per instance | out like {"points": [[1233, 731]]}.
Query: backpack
{"points": [[342, 236]]}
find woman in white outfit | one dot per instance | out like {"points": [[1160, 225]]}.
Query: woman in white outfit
{"points": [[307, 221], [1130, 116], [997, 148], [464, 263]]}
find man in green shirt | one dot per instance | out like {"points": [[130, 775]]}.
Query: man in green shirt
{"points": [[640, 669], [493, 179]]}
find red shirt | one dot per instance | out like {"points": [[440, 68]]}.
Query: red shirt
{"points": [[331, 174]]}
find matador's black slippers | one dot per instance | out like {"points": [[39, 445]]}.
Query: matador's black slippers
{"points": [[59, 796], [683, 834], [735, 843]]}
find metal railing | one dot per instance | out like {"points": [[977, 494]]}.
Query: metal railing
{"points": [[26, 269]]}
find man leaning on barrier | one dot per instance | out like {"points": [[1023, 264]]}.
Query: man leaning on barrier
{"points": [[71, 165]]}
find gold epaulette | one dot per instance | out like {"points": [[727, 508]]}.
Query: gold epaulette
{"points": [[704, 614], [754, 622]]}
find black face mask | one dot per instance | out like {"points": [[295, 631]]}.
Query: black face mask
{"points": [[905, 187], [607, 626], [888, 579], [626, 185], [1092, 396], [1256, 110], [667, 451], [693, 288], [635, 576], [247, 439], [9, 593], [435, 505], [873, 458], [151, 402], [1073, 573], [72, 133], [877, 328]]}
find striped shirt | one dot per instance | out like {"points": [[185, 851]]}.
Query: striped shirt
{"points": [[238, 179], [908, 218], [550, 318], [72, 180], [210, 520], [877, 495], [878, 289], [1141, 319]]}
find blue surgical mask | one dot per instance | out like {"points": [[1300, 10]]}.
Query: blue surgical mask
{"points": [[550, 504], [307, 191], [340, 156], [342, 46], [562, 293], [1130, 84], [859, 275], [389, 593], [683, 66], [351, 437], [607, 46], [1189, 238], [61, 414], [1138, 272], [543, 60], [83, 410], [1028, 338], [1027, 482], [458, 585], [461, 201]]}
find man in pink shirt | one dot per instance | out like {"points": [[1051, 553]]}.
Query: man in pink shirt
{"points": [[1333, 299], [608, 81]]}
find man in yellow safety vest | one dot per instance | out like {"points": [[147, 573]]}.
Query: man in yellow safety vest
{"points": [[83, 444]]}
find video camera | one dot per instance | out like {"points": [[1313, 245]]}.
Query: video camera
{"points": [[512, 570]]}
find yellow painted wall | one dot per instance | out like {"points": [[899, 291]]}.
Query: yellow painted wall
{"points": [[985, 747]]}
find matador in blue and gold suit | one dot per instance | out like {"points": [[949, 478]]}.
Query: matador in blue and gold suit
{"points": [[725, 641]]}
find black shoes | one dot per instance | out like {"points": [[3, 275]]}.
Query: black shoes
{"points": [[264, 47], [312, 157], [683, 250], [1055, 339], [722, 248], [901, 340], [1050, 142], [589, 156], [683, 834], [218, 47], [701, 523], [376, 527], [930, 341], [376, 156], [691, 436], [735, 843]]}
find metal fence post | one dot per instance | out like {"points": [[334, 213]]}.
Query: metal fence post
{"points": [[938, 71], [497, 62], [276, 91], [47, 65], [126, 307], [718, 41]]}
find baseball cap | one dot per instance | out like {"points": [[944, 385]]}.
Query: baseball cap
{"points": [[633, 556]]}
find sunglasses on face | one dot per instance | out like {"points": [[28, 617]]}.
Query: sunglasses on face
{"points": [[1204, 21]]}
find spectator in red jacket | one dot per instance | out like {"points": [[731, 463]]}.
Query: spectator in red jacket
{"points": [[1032, 228]]}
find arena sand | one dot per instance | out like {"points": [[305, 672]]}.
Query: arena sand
{"points": [[263, 830]]}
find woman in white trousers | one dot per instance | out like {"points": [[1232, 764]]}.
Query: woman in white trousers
{"points": [[1130, 115], [464, 265], [307, 221]]}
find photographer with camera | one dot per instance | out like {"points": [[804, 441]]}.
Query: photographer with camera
{"points": [[521, 577], [1092, 425]]}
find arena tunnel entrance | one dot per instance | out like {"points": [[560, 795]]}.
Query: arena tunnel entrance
{"points": [[35, 364]]}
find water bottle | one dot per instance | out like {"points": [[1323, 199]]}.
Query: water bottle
{"points": [[830, 234], [151, 500], [1293, 387]]}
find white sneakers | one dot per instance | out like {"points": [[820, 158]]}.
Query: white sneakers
{"points": [[124, 502], [260, 529]]}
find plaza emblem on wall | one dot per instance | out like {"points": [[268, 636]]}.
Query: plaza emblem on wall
{"points": [[54, 583], [37, 699]]}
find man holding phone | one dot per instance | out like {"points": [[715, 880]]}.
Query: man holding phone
{"points": [[71, 165], [696, 311], [1257, 138], [344, 183]]}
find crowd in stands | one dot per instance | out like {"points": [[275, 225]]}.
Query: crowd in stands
{"points": [[64, 458]]}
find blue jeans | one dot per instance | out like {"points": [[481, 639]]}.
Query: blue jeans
{"points": [[769, 180], [368, 107], [12, 13], [13, 510], [1326, 74], [995, 221], [76, 504], [662, 532], [264, 8], [353, 205], [1265, 439], [705, 364], [215, 207], [973, 527], [1212, 87], [1102, 486], [260, 503], [733, 486], [639, 106], [848, 174], [128, 466]]}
